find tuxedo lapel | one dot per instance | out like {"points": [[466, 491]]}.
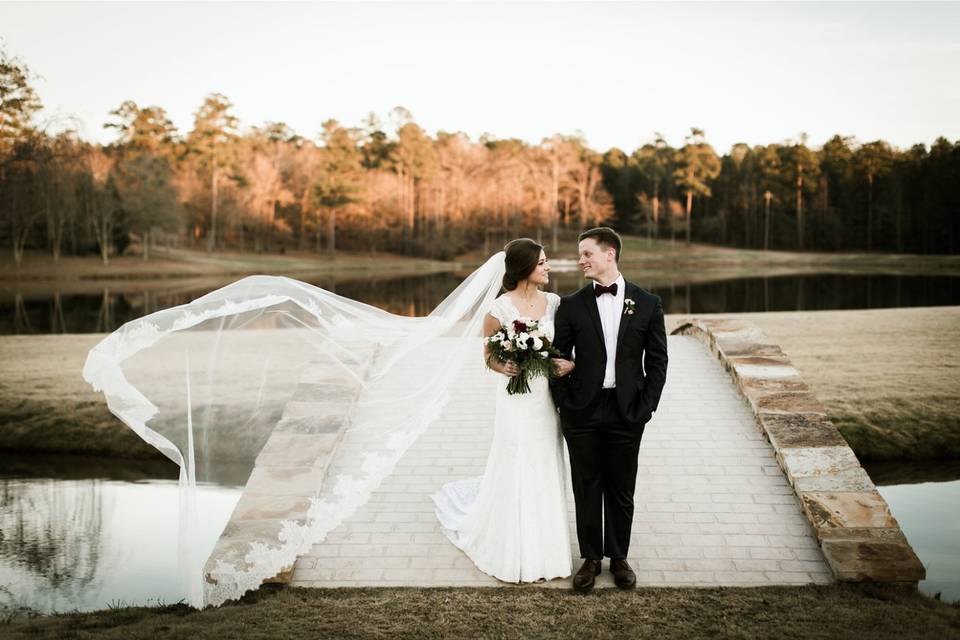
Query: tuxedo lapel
{"points": [[629, 291], [590, 300]]}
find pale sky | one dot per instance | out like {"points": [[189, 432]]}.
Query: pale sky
{"points": [[755, 73]]}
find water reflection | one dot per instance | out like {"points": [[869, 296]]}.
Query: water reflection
{"points": [[50, 311], [83, 544], [912, 471], [50, 538], [818, 292], [923, 497]]}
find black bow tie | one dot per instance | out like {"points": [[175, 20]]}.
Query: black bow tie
{"points": [[599, 289]]}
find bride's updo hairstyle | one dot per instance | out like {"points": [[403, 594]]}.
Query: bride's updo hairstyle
{"points": [[522, 257]]}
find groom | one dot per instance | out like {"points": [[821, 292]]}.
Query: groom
{"points": [[614, 331]]}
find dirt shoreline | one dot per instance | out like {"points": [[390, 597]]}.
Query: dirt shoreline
{"points": [[890, 379]]}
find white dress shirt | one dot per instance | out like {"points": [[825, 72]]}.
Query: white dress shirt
{"points": [[611, 310]]}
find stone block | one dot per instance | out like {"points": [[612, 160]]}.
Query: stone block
{"points": [[285, 481], [262, 507], [863, 534], [755, 385], [799, 462], [251, 530], [308, 409], [764, 364], [846, 480], [865, 509], [330, 422], [296, 450], [745, 340], [800, 430], [861, 560], [733, 349], [784, 402], [328, 392]]}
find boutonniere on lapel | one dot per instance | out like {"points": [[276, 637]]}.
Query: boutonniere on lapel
{"points": [[629, 306]]}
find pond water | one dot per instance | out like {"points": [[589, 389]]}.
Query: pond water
{"points": [[69, 542], [85, 534], [924, 498], [49, 311]]}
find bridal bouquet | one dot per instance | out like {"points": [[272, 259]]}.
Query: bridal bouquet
{"points": [[522, 342]]}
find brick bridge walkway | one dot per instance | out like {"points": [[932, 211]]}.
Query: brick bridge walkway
{"points": [[712, 505]]}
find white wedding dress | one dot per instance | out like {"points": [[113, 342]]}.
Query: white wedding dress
{"points": [[512, 521]]}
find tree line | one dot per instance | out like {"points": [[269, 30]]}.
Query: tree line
{"points": [[396, 188], [843, 196]]}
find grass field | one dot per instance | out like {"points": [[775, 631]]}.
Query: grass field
{"points": [[890, 379], [815, 612]]}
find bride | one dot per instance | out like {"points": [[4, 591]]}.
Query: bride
{"points": [[512, 520]]}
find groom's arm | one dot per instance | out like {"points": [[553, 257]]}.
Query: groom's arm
{"points": [[655, 357], [563, 335], [563, 330]]}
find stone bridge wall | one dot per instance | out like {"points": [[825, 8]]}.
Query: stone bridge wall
{"points": [[859, 537]]}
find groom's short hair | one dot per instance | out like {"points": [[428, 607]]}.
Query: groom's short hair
{"points": [[606, 237]]}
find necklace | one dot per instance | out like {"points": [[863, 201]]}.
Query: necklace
{"points": [[531, 303]]}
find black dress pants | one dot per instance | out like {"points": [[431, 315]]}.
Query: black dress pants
{"points": [[603, 452]]}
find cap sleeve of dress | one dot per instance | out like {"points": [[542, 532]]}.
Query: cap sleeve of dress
{"points": [[500, 311], [553, 300]]}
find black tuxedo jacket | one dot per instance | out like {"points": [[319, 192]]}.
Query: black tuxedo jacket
{"points": [[641, 357]]}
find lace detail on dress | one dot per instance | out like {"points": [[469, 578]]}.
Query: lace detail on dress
{"points": [[505, 311]]}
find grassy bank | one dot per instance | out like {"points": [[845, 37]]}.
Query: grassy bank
{"points": [[45, 404], [187, 263], [833, 612], [661, 262], [890, 379]]}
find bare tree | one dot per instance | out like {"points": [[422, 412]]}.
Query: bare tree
{"points": [[98, 205]]}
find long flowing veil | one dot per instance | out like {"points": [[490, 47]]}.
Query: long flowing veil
{"points": [[313, 396]]}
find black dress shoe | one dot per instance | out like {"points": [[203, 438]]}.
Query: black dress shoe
{"points": [[584, 578], [623, 575]]}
